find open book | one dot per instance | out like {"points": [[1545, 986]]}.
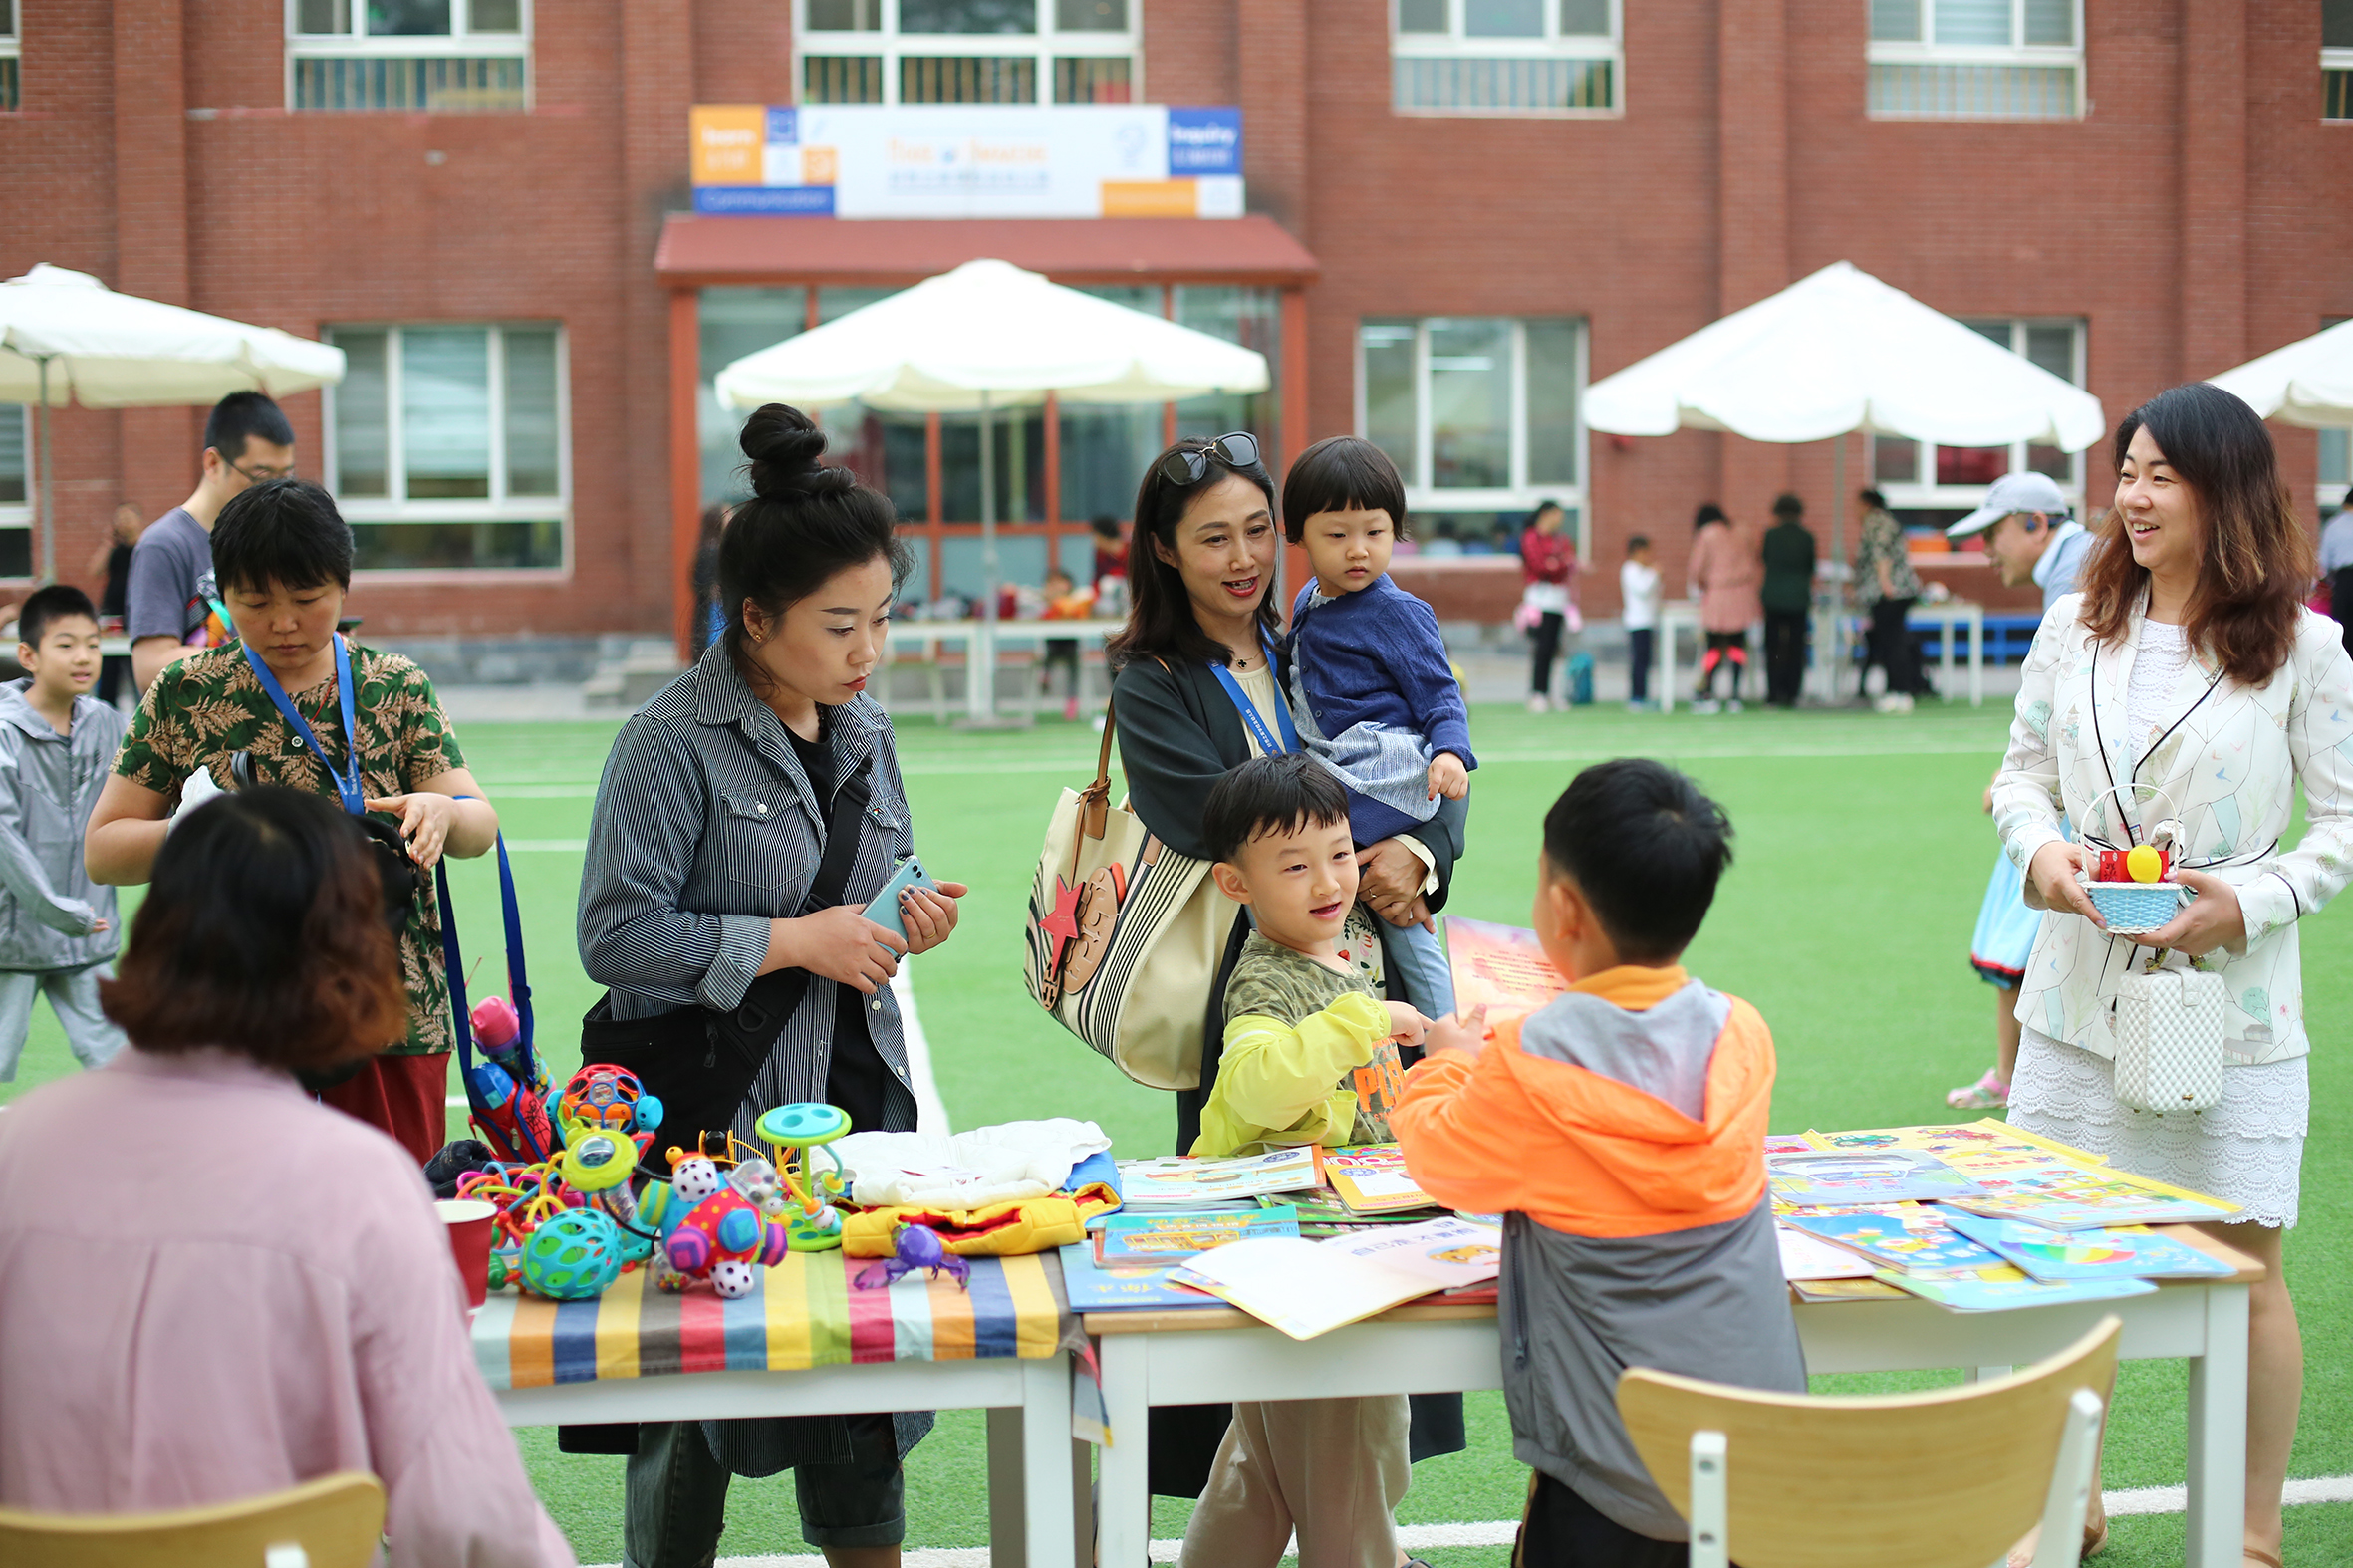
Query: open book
{"points": [[1500, 968], [1307, 1288]]}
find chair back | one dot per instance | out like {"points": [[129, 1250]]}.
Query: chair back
{"points": [[335, 1521], [1950, 1478]]}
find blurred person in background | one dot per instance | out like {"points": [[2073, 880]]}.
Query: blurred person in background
{"points": [[1638, 588], [1789, 595], [1887, 588], [703, 583], [2336, 566], [110, 561], [1726, 576], [172, 601], [1548, 567]]}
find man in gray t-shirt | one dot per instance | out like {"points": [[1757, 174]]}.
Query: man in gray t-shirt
{"points": [[170, 597]]}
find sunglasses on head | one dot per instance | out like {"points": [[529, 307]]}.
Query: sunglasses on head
{"points": [[1237, 450]]}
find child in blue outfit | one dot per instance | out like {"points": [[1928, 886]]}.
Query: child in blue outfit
{"points": [[1373, 693]]}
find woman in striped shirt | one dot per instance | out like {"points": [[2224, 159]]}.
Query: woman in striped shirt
{"points": [[711, 827]]}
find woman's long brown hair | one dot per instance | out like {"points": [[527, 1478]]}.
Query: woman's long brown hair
{"points": [[2258, 561]]}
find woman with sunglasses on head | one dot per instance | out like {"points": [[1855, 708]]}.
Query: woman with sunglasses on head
{"points": [[1200, 575]]}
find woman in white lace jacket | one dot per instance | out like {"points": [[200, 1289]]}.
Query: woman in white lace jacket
{"points": [[2189, 662]]}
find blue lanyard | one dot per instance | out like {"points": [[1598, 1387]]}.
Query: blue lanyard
{"points": [[1251, 717], [347, 783]]}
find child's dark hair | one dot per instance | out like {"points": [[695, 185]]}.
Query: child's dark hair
{"points": [[1637, 543], [48, 605], [804, 523], [242, 417], [1279, 794], [1645, 847], [1342, 473], [1788, 504], [282, 531]]}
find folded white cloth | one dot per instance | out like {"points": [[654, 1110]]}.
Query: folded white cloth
{"points": [[988, 1164]]}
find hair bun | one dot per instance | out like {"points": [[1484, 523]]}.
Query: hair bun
{"points": [[785, 445]]}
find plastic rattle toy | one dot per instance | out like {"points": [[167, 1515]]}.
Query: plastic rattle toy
{"points": [[604, 1096], [913, 1247], [598, 1164], [709, 1230], [575, 1256], [796, 1132]]}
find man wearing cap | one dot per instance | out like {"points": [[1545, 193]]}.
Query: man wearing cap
{"points": [[2032, 540], [2030, 535]]}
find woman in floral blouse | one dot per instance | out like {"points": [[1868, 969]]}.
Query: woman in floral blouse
{"points": [[1886, 585], [282, 555]]}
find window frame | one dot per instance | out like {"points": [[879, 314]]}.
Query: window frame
{"points": [[1929, 496], [460, 42], [12, 52], [1455, 44], [1898, 51], [2339, 59], [1520, 496], [497, 507], [18, 514], [887, 44]]}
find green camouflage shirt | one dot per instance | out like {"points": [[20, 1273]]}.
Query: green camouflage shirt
{"points": [[209, 705], [1273, 981]]}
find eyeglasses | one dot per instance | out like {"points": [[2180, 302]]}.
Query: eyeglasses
{"points": [[264, 476], [1236, 450]]}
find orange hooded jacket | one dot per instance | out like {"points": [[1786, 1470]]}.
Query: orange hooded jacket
{"points": [[1583, 1154]]}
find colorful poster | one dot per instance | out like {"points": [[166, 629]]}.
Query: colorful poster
{"points": [[1500, 968]]}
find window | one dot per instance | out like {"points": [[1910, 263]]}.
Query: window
{"points": [[440, 56], [2336, 59], [1977, 59], [16, 511], [1919, 478], [8, 54], [1481, 415], [1504, 57], [969, 51], [448, 446]]}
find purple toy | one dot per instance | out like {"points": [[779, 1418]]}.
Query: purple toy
{"points": [[915, 1246]]}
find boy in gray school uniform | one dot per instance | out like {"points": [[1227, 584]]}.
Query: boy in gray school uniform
{"points": [[56, 745]]}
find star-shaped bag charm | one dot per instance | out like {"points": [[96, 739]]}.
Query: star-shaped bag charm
{"points": [[1061, 925]]}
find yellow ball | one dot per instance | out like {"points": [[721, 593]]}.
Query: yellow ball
{"points": [[2143, 863]]}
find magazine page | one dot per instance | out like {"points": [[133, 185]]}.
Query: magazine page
{"points": [[1498, 967]]}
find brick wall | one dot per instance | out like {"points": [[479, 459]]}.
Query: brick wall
{"points": [[2199, 214]]}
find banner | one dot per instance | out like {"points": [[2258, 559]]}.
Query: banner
{"points": [[967, 160]]}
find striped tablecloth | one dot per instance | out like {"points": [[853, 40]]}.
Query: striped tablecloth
{"points": [[804, 1314]]}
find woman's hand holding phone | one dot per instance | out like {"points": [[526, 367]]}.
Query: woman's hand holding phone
{"points": [[840, 944], [929, 915]]}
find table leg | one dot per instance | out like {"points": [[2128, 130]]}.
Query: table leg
{"points": [[1046, 1466], [1124, 1501], [2218, 1433], [1977, 659], [1008, 1543], [1944, 636]]}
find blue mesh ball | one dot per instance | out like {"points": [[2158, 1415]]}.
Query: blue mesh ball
{"points": [[573, 1256]]}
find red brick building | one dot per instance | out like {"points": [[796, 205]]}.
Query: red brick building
{"points": [[1461, 212]]}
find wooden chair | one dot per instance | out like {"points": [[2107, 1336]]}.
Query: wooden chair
{"points": [[1949, 1478], [335, 1521]]}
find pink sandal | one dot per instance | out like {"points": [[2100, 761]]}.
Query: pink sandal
{"points": [[1988, 1093]]}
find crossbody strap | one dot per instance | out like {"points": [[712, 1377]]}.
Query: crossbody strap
{"points": [[461, 1022], [840, 840]]}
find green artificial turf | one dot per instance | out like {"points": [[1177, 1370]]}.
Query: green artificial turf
{"points": [[1862, 856]]}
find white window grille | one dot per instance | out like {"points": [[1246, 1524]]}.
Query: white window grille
{"points": [[969, 51], [1977, 59], [1922, 476], [437, 55], [16, 497], [448, 446], [9, 46], [1505, 56], [2336, 59], [1482, 416]]}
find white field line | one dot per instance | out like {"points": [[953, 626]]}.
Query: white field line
{"points": [[1501, 1532]]}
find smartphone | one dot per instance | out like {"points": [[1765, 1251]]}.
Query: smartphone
{"points": [[882, 910]]}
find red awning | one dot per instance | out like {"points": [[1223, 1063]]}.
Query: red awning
{"points": [[698, 250]]}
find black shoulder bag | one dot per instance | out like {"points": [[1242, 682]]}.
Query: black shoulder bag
{"points": [[702, 1062]]}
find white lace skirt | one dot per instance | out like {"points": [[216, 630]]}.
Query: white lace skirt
{"points": [[2248, 1149]]}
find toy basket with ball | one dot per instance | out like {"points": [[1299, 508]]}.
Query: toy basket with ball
{"points": [[2126, 881]]}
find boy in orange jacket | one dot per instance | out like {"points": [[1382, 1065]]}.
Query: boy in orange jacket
{"points": [[1621, 1132]]}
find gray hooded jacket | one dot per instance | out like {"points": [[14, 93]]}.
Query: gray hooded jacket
{"points": [[48, 784]]}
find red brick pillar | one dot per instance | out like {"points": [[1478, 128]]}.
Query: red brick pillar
{"points": [[159, 461], [1272, 56], [656, 90], [1753, 206], [2213, 186]]}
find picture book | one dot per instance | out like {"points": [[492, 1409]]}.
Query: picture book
{"points": [[1371, 1178], [1094, 1287], [1500, 968], [2088, 1254], [1915, 1241], [1824, 1176], [1844, 1290], [1789, 1144], [1307, 1288], [1173, 1183], [1806, 1256], [1969, 1294], [1158, 1239], [2065, 1197]]}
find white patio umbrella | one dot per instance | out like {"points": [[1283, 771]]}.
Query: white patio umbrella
{"points": [[65, 337], [1838, 353], [2308, 383], [984, 337]]}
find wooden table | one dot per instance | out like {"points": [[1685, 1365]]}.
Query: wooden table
{"points": [[1199, 1355], [926, 638]]}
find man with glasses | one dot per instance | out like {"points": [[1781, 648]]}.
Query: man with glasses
{"points": [[170, 608]]}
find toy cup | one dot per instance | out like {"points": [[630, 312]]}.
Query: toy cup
{"points": [[468, 1220]]}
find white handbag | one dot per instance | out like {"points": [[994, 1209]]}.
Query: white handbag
{"points": [[2169, 1039]]}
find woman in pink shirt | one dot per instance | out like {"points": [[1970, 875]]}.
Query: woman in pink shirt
{"points": [[1727, 578], [214, 1287]]}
